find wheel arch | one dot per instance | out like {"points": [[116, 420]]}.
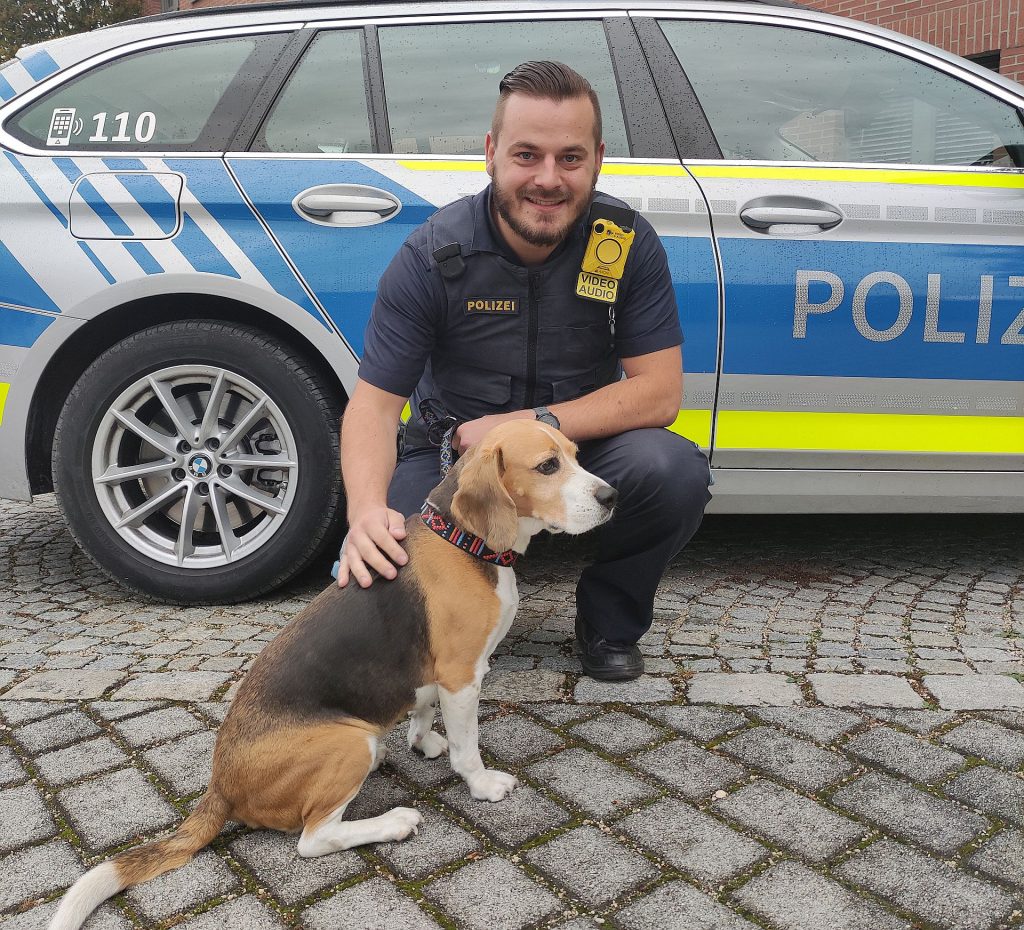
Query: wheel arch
{"points": [[101, 332]]}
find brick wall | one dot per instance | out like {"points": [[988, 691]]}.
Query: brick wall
{"points": [[965, 27]]}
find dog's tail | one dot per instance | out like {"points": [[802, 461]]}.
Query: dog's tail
{"points": [[142, 863]]}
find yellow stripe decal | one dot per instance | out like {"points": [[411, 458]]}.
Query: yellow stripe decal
{"points": [[646, 171], [694, 425], [862, 175], [4, 388], [869, 432], [430, 165]]}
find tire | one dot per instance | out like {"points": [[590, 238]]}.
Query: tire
{"points": [[139, 454]]}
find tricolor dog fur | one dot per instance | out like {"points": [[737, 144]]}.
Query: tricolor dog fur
{"points": [[309, 721]]}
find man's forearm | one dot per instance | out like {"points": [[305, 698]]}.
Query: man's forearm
{"points": [[368, 457], [633, 403]]}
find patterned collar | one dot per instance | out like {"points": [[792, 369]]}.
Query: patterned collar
{"points": [[474, 545]]}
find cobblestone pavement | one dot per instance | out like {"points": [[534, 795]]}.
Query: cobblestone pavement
{"points": [[830, 735]]}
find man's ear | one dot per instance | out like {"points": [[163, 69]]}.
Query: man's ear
{"points": [[481, 505], [489, 147]]}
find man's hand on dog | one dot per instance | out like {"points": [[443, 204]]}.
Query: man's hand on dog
{"points": [[472, 431], [373, 542]]}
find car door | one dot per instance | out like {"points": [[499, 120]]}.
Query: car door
{"points": [[867, 208], [344, 167]]}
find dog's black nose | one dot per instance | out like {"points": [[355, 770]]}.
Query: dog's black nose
{"points": [[607, 496]]}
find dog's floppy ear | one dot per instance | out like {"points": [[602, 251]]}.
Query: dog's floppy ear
{"points": [[481, 505]]}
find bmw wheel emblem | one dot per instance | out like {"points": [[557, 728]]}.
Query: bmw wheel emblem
{"points": [[199, 466]]}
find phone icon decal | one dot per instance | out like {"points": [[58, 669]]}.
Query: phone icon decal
{"points": [[61, 125]]}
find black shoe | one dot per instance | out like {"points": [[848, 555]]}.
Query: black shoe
{"points": [[607, 661]]}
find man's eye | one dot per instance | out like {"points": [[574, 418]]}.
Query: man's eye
{"points": [[525, 156], [572, 159], [549, 466]]}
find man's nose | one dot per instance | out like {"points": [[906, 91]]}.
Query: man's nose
{"points": [[547, 173]]}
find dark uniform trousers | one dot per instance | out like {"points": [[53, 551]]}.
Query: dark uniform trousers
{"points": [[662, 480]]}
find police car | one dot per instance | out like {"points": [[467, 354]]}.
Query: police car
{"points": [[195, 210]]}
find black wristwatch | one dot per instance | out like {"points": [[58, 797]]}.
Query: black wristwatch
{"points": [[546, 416]]}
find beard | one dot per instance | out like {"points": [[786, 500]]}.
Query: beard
{"points": [[512, 205]]}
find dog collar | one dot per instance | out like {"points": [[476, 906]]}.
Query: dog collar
{"points": [[457, 536]]}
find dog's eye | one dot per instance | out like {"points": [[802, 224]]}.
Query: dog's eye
{"points": [[549, 466]]}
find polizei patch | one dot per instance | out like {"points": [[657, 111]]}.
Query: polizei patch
{"points": [[492, 305], [597, 287]]}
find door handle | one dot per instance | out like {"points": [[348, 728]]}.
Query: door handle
{"points": [[798, 215], [346, 205]]}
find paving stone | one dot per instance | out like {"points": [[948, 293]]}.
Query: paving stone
{"points": [[6, 677], [115, 808], [85, 685], [793, 897], [702, 723], [987, 741], [205, 877], [1002, 857], [647, 689], [694, 772], [186, 763], [787, 758], [692, 841], [923, 722], [87, 758], [1008, 718], [275, 860], [118, 710], [989, 790], [371, 905], [17, 713], [561, 714], [107, 917], [174, 686], [248, 912], [492, 894], [592, 865], [791, 821], [11, 772], [823, 725], [910, 814], [515, 738], [157, 726], [37, 870], [835, 690], [591, 783], [438, 843], [617, 733], [905, 755], [976, 692], [521, 816], [23, 818], [746, 689], [523, 687], [425, 772], [54, 732], [924, 886], [679, 906]]}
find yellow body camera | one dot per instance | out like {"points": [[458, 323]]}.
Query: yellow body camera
{"points": [[607, 249]]}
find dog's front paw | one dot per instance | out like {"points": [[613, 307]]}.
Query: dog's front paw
{"points": [[432, 745], [491, 785], [402, 821]]}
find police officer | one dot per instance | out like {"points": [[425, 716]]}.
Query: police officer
{"points": [[480, 310]]}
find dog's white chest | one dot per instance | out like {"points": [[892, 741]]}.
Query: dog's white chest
{"points": [[508, 598]]}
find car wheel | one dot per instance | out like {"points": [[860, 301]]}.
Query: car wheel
{"points": [[197, 462]]}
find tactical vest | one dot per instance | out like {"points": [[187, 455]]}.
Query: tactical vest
{"points": [[510, 337]]}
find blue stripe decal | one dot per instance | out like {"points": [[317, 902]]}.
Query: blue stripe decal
{"points": [[22, 329], [691, 260], [124, 164], [40, 65], [874, 309], [201, 253], [99, 265], [68, 168], [38, 190], [151, 195], [17, 286], [210, 183], [103, 209], [144, 257], [6, 91]]}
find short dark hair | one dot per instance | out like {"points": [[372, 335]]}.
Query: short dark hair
{"points": [[546, 80]]}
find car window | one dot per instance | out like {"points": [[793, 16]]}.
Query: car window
{"points": [[161, 98], [441, 81], [777, 93], [323, 106]]}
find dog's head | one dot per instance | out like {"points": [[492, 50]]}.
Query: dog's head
{"points": [[523, 477]]}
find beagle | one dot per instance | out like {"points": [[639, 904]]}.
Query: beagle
{"points": [[309, 720]]}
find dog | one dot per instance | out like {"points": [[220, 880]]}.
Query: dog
{"points": [[309, 720]]}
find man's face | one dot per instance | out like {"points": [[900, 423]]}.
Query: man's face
{"points": [[544, 166]]}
